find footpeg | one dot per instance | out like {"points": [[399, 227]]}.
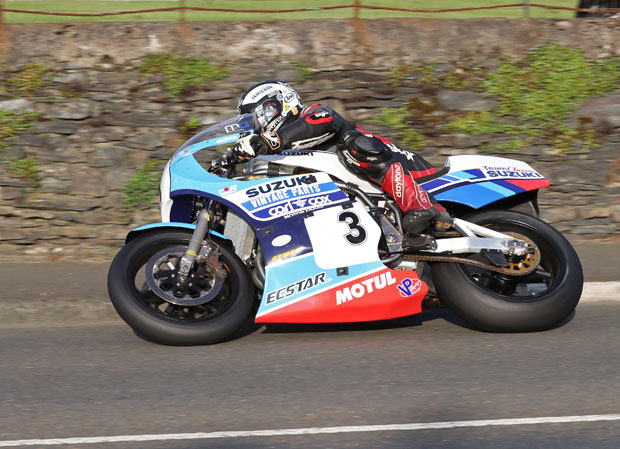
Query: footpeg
{"points": [[420, 242]]}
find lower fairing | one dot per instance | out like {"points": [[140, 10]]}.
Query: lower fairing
{"points": [[364, 292]]}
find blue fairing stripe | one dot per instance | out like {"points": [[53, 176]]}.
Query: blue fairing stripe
{"points": [[504, 192], [223, 140], [286, 283], [510, 186], [459, 185], [473, 195], [436, 183]]}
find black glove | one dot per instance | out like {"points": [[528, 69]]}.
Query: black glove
{"points": [[250, 146]]}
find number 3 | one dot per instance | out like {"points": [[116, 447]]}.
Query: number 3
{"points": [[358, 233]]}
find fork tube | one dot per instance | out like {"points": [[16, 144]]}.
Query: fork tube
{"points": [[187, 261]]}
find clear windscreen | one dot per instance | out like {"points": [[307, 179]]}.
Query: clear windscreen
{"points": [[222, 134]]}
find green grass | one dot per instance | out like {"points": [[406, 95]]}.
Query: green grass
{"points": [[97, 6]]}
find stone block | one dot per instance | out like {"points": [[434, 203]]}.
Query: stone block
{"points": [[594, 212], [464, 101], [149, 141], [106, 155], [9, 193], [71, 111], [56, 127], [50, 201], [78, 231], [88, 182], [19, 104]]}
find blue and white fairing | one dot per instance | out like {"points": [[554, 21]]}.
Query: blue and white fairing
{"points": [[477, 181], [319, 247]]}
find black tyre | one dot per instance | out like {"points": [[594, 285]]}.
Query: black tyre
{"points": [[222, 312], [500, 303]]}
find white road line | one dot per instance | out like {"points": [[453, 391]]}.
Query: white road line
{"points": [[600, 291], [314, 430]]}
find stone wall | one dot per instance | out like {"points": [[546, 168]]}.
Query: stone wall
{"points": [[101, 119]]}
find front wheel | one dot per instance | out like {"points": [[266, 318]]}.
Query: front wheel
{"points": [[207, 309], [500, 303]]}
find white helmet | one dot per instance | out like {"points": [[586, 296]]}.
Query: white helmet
{"points": [[274, 102]]}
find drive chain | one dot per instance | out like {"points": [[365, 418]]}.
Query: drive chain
{"points": [[425, 258]]}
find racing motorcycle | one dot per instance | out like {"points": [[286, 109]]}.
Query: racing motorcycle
{"points": [[298, 238]]}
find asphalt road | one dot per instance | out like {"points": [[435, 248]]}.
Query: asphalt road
{"points": [[102, 380], [70, 368], [73, 292]]}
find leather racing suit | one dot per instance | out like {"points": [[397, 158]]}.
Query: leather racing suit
{"points": [[376, 158]]}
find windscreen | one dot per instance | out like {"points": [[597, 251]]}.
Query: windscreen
{"points": [[222, 134]]}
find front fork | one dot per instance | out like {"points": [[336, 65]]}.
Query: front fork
{"points": [[199, 248]]}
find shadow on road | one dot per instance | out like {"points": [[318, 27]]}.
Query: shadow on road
{"points": [[429, 314]]}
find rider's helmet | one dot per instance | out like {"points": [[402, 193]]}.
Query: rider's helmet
{"points": [[274, 102]]}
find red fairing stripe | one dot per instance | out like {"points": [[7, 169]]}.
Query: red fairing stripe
{"points": [[379, 295], [530, 184]]}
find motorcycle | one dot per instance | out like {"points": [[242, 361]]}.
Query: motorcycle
{"points": [[296, 237]]}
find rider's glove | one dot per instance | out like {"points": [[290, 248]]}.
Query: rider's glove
{"points": [[249, 146]]}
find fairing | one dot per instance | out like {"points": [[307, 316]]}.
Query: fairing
{"points": [[477, 181], [319, 246], [312, 272]]}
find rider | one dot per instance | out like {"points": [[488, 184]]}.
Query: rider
{"points": [[286, 125]]}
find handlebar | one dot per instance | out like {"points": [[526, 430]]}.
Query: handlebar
{"points": [[223, 164]]}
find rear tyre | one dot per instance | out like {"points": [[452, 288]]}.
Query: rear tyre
{"points": [[501, 303], [214, 319]]}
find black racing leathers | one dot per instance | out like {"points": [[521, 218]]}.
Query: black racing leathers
{"points": [[374, 157]]}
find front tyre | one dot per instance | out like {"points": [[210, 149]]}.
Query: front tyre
{"points": [[499, 303], [205, 315]]}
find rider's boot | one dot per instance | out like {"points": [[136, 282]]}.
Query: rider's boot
{"points": [[420, 222], [417, 221]]}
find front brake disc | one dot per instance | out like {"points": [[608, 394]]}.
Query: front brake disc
{"points": [[162, 271]]}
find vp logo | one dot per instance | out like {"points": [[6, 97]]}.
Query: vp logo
{"points": [[409, 287]]}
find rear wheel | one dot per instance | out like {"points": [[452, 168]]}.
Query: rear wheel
{"points": [[501, 303], [206, 310]]}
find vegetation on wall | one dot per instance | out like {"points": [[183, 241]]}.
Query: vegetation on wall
{"points": [[535, 97], [28, 78], [395, 118], [140, 190], [25, 169], [303, 71], [181, 74], [12, 122], [189, 127]]}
